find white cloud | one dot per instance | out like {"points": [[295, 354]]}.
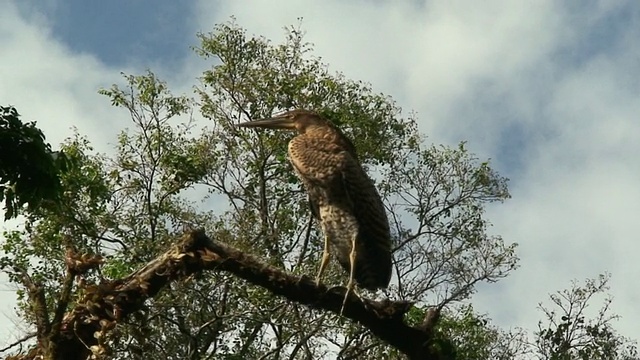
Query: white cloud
{"points": [[49, 84], [576, 203], [523, 81]]}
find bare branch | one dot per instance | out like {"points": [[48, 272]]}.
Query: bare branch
{"points": [[103, 305], [19, 341]]}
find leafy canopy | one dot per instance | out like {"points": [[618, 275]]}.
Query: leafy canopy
{"points": [[29, 169]]}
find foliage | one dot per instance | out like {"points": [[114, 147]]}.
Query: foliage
{"points": [[473, 337], [258, 182], [567, 333], [36, 254], [29, 169], [127, 208]]}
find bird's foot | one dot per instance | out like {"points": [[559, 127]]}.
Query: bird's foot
{"points": [[344, 302], [348, 291]]}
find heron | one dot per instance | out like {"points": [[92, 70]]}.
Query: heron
{"points": [[342, 197]]}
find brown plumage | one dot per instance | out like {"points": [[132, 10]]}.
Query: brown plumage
{"points": [[342, 197]]}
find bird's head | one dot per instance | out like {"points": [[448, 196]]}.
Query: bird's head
{"points": [[294, 120], [305, 122]]}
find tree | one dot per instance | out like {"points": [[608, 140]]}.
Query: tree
{"points": [[29, 169], [122, 213], [473, 337], [569, 331], [569, 334]]}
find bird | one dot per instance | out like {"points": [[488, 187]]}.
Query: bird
{"points": [[342, 197]]}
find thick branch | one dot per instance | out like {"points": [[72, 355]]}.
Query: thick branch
{"points": [[102, 306], [39, 304]]}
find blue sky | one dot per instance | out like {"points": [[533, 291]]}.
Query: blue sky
{"points": [[120, 32], [550, 91]]}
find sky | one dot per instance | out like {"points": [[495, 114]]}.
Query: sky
{"points": [[549, 90]]}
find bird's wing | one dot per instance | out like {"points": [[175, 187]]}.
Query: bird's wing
{"points": [[319, 161]]}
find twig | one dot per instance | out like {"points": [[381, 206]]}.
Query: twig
{"points": [[19, 341]]}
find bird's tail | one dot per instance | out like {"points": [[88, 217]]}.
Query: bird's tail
{"points": [[373, 268]]}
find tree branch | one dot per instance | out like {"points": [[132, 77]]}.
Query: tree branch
{"points": [[19, 341], [103, 305]]}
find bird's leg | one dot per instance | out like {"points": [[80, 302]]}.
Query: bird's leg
{"points": [[352, 263], [325, 259]]}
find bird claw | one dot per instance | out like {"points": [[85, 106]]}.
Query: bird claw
{"points": [[345, 292]]}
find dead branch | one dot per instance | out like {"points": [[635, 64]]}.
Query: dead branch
{"points": [[83, 329]]}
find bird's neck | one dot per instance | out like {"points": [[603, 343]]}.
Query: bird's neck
{"points": [[333, 137]]}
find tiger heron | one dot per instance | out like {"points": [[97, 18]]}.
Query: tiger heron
{"points": [[342, 198]]}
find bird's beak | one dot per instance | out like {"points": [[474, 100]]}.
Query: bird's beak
{"points": [[271, 123]]}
